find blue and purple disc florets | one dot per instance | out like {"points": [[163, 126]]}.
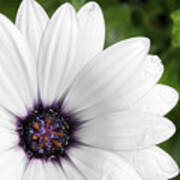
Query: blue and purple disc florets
{"points": [[46, 132]]}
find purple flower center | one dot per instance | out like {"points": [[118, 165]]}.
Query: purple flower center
{"points": [[45, 133]]}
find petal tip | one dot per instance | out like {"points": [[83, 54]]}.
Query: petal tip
{"points": [[170, 129], [155, 66], [144, 42], [92, 5], [174, 95], [64, 10], [91, 9], [165, 129], [174, 168], [67, 6], [141, 43], [176, 171]]}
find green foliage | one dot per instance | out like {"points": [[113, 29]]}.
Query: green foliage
{"points": [[78, 3], [157, 19], [176, 28]]}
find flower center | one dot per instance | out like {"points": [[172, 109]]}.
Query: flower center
{"points": [[45, 133]]}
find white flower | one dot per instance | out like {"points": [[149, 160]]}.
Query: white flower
{"points": [[63, 119]]}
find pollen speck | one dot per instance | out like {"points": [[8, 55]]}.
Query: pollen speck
{"points": [[41, 145], [56, 143], [46, 138], [60, 134], [35, 137], [36, 126]]}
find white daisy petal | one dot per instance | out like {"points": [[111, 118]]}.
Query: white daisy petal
{"points": [[18, 72], [8, 139], [8, 135], [54, 171], [12, 164], [126, 130], [110, 80], [40, 170], [57, 53], [7, 120], [98, 164], [91, 34], [152, 163], [35, 170], [138, 83], [160, 100], [71, 171], [31, 20], [72, 34]]}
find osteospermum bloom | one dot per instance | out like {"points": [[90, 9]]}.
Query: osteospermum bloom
{"points": [[71, 110]]}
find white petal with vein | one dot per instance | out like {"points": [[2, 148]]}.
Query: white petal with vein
{"points": [[126, 130], [152, 163], [31, 20], [107, 75], [160, 100], [17, 70], [101, 165]]}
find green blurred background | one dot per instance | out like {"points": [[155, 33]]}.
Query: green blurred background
{"points": [[157, 19]]}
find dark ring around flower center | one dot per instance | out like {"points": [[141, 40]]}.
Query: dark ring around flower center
{"points": [[45, 133]]}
